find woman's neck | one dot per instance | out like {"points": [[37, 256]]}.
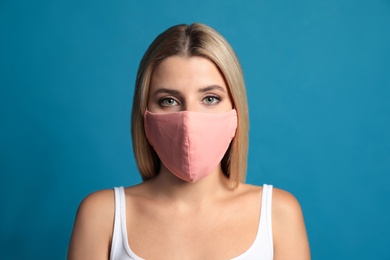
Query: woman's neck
{"points": [[166, 186]]}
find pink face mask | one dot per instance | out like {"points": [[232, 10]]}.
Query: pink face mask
{"points": [[190, 144]]}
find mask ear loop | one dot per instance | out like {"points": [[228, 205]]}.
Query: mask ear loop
{"points": [[146, 110]]}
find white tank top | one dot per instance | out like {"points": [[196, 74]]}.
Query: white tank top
{"points": [[261, 248]]}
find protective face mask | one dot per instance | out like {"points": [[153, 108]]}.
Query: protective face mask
{"points": [[190, 144]]}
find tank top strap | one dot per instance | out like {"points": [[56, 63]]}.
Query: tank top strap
{"points": [[120, 245], [266, 211], [119, 220]]}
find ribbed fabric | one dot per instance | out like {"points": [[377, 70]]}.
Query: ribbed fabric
{"points": [[261, 248]]}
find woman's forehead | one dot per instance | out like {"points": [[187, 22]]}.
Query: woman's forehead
{"points": [[189, 72]]}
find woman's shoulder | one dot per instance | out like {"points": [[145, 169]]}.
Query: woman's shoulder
{"points": [[99, 202], [285, 206], [93, 226], [289, 231], [94, 223], [282, 200], [96, 208], [102, 202]]}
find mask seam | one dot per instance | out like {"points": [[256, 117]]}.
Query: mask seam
{"points": [[187, 118]]}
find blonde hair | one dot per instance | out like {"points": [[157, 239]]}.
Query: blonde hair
{"points": [[192, 40]]}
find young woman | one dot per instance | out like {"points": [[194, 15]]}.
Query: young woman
{"points": [[190, 140]]}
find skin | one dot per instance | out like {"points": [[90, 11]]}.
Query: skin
{"points": [[168, 218]]}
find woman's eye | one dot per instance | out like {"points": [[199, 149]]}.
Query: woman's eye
{"points": [[168, 102], [210, 100]]}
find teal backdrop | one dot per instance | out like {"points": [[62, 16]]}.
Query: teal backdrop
{"points": [[318, 84]]}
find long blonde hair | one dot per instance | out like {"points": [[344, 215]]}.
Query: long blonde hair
{"points": [[192, 40]]}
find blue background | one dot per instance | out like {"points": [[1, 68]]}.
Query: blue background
{"points": [[317, 75]]}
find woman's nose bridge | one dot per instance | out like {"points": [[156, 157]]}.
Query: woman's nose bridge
{"points": [[190, 104]]}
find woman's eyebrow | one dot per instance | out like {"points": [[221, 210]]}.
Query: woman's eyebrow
{"points": [[212, 87], [166, 91]]}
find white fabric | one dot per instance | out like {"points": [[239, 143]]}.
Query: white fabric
{"points": [[261, 248]]}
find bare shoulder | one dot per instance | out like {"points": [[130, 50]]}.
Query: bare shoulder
{"points": [[93, 226], [97, 200], [284, 204], [97, 207], [289, 231]]}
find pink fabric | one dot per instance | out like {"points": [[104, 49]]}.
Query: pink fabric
{"points": [[190, 144]]}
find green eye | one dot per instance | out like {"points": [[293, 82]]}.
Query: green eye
{"points": [[167, 102], [210, 100]]}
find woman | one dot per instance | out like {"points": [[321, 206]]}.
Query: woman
{"points": [[189, 130]]}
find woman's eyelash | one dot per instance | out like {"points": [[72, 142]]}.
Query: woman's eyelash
{"points": [[212, 99], [168, 101]]}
